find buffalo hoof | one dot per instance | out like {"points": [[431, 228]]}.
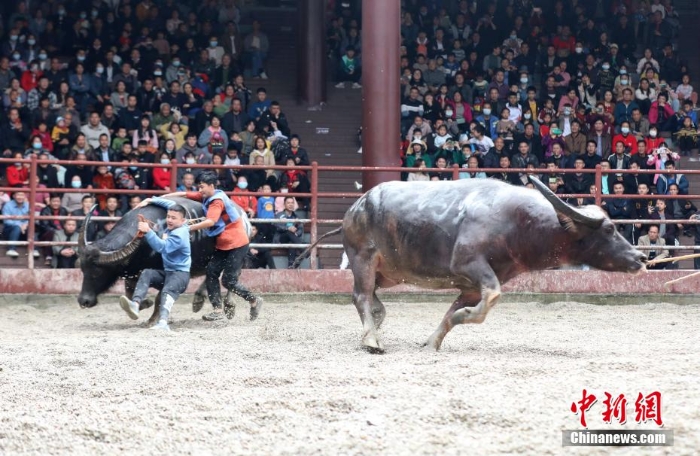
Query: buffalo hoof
{"points": [[146, 303], [372, 345], [198, 303], [433, 343]]}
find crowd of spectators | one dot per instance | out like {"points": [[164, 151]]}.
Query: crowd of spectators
{"points": [[134, 82], [543, 85]]}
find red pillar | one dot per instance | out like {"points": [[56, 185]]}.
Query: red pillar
{"points": [[312, 61], [381, 101]]}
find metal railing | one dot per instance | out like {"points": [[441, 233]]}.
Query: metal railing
{"points": [[314, 195]]}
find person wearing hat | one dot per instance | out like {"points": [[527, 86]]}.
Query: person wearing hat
{"points": [[417, 150], [616, 60]]}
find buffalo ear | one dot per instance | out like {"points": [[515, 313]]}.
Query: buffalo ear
{"points": [[576, 230]]}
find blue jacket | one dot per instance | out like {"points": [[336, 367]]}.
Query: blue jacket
{"points": [[258, 108], [11, 208], [665, 180], [624, 113], [491, 127], [175, 248]]}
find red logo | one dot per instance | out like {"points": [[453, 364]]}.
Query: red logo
{"points": [[615, 408], [646, 408], [583, 405]]}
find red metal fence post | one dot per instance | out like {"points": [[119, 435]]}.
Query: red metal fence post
{"points": [[173, 176], [598, 185], [455, 172], [31, 229], [314, 213]]}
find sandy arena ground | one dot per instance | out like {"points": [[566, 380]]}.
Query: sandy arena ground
{"points": [[296, 382]]}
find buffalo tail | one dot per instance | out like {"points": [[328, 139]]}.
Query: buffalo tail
{"points": [[306, 252]]}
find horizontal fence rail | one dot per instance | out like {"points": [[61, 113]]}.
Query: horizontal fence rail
{"points": [[313, 221]]}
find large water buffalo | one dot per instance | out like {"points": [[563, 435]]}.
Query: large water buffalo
{"points": [[473, 235], [122, 254]]}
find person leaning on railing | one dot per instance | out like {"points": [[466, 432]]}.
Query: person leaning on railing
{"points": [[16, 230], [17, 174]]}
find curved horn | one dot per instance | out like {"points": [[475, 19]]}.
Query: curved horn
{"points": [[106, 258], [82, 237], [562, 207]]}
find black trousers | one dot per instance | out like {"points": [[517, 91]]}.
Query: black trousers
{"points": [[230, 263], [260, 261], [66, 262], [290, 238], [172, 283]]}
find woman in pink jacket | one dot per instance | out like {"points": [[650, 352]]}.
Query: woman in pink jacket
{"points": [[459, 111], [660, 112]]}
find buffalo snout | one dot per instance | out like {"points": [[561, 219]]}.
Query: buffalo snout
{"points": [[87, 302]]}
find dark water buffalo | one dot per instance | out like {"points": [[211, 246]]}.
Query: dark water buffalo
{"points": [[121, 254], [473, 235]]}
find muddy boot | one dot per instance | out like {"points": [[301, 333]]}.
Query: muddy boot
{"points": [[213, 316], [255, 307], [229, 306], [130, 307]]}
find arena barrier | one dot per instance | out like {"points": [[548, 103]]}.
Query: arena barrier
{"points": [[314, 220], [68, 282]]}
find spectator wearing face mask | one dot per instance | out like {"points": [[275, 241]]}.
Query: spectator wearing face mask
{"points": [[161, 176], [622, 83], [17, 175], [189, 159], [626, 138], [248, 203], [73, 201]]}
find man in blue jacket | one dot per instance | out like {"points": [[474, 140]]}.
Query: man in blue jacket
{"points": [[174, 245]]}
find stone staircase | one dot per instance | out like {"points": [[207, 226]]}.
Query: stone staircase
{"points": [[328, 132]]}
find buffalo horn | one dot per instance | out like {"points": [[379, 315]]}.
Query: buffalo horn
{"points": [[106, 258], [563, 208], [82, 238]]}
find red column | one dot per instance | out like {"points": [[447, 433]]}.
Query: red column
{"points": [[381, 102], [312, 61]]}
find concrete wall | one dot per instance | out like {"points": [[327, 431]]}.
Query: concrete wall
{"points": [[68, 281]]}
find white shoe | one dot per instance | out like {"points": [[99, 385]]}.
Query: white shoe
{"points": [[162, 325], [36, 254], [355, 85], [359, 151], [12, 253], [130, 307], [340, 85], [263, 75]]}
